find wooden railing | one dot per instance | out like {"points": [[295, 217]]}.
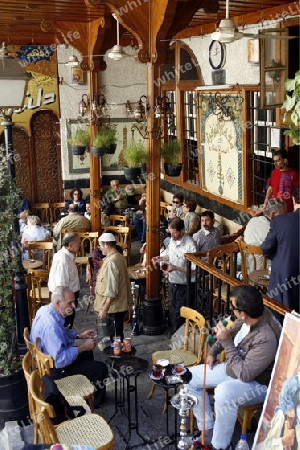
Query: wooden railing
{"points": [[212, 290]]}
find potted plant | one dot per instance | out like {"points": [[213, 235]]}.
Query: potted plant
{"points": [[134, 155], [13, 390], [79, 141], [171, 152], [105, 141], [292, 106]]}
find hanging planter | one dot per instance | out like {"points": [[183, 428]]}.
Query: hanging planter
{"points": [[134, 156], [104, 142], [171, 170], [79, 141], [132, 173], [170, 152]]}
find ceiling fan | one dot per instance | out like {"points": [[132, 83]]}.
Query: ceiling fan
{"points": [[227, 32]]}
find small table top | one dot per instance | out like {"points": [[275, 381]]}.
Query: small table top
{"points": [[260, 277], [31, 264], [130, 366], [137, 272], [166, 381], [109, 351]]}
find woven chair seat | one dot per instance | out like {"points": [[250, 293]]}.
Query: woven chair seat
{"points": [[90, 429], [176, 357], [76, 400], [75, 383]]}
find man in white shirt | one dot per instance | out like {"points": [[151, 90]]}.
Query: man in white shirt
{"points": [[258, 227], [180, 244], [64, 271]]}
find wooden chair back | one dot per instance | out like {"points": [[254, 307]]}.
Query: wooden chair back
{"points": [[43, 410], [55, 210], [72, 230], [44, 362], [224, 257], [165, 209], [229, 238], [115, 220], [30, 345], [89, 240], [252, 259], [123, 239], [28, 365], [42, 210], [194, 332], [41, 251], [39, 292]]}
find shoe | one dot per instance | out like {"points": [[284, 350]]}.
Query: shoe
{"points": [[229, 447], [196, 439]]}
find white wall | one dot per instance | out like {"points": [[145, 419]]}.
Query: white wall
{"points": [[126, 79]]}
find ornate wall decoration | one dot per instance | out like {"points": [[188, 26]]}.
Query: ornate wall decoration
{"points": [[221, 145]]}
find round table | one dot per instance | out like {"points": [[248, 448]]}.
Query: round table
{"points": [[31, 264], [260, 277], [137, 272]]}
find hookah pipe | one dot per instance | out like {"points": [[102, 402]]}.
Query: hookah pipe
{"points": [[135, 319], [166, 295], [209, 339]]}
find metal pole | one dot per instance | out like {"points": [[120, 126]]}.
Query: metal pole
{"points": [[22, 316]]}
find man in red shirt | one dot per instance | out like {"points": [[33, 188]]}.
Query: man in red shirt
{"points": [[282, 181]]}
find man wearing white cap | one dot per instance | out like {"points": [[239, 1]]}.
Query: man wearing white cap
{"points": [[113, 293]]}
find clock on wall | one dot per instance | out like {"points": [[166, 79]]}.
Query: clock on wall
{"points": [[217, 54]]}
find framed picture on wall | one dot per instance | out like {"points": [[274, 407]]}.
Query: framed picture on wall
{"points": [[253, 51], [77, 163], [77, 76]]}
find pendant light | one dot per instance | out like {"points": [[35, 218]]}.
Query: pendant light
{"points": [[117, 52]]}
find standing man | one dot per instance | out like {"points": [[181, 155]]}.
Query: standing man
{"points": [[64, 271], [113, 293], [282, 247], [208, 236], [282, 181], [250, 345], [58, 341], [180, 243], [73, 220]]}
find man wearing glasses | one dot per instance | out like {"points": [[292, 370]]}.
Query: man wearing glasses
{"points": [[250, 345]]}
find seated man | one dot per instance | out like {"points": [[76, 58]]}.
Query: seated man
{"points": [[116, 197], [58, 341], [208, 236], [73, 220], [250, 345]]}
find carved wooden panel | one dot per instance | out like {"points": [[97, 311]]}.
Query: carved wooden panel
{"points": [[46, 157], [22, 161]]}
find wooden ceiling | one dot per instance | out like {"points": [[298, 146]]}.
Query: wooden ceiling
{"points": [[25, 21]]}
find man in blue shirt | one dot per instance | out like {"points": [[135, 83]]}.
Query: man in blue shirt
{"points": [[58, 341]]}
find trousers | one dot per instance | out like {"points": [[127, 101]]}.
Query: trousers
{"points": [[229, 394]]}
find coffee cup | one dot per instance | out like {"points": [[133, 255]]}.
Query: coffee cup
{"points": [[157, 370], [179, 368]]}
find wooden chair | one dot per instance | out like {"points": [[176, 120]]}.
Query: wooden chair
{"points": [[115, 220], [165, 209], [42, 210], [39, 292], [123, 239], [28, 368], [89, 240], [90, 429], [68, 386], [41, 251], [191, 352], [250, 260], [30, 346], [55, 210], [229, 238]]}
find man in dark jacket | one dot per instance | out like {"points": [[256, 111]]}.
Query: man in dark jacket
{"points": [[282, 247], [250, 346]]}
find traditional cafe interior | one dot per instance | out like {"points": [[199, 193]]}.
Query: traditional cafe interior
{"points": [[154, 151]]}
